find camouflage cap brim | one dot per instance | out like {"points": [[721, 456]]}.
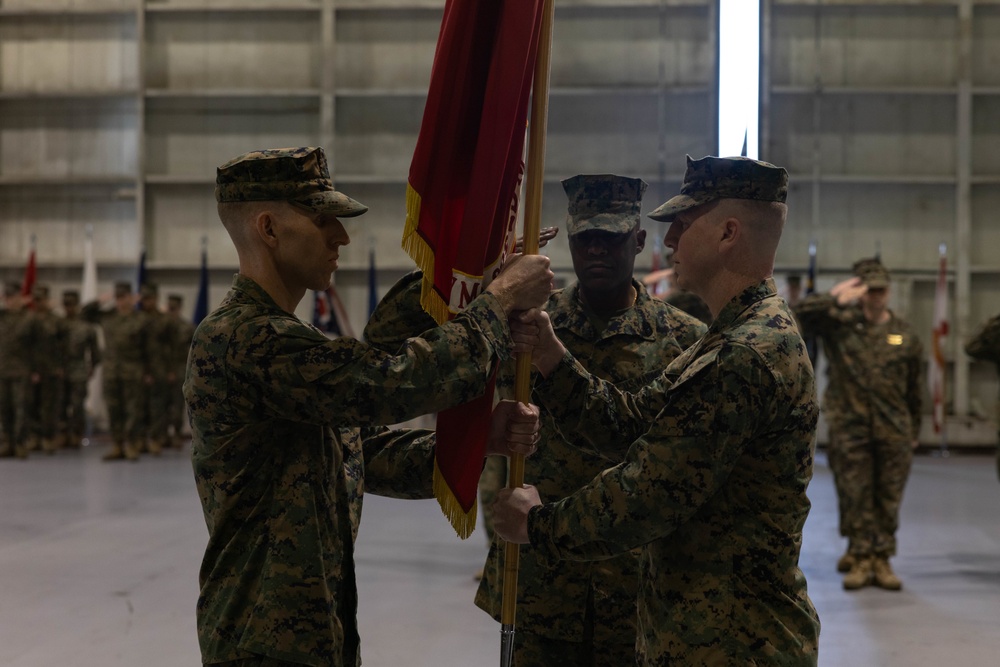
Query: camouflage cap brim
{"points": [[712, 178], [668, 210], [334, 203]]}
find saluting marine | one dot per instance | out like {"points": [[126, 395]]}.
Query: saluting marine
{"points": [[873, 404]]}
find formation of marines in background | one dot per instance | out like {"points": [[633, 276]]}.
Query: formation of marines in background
{"points": [[581, 578], [48, 359]]}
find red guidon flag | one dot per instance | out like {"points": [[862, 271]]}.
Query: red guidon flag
{"points": [[462, 195], [30, 271]]}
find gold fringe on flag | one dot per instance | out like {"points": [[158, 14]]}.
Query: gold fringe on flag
{"points": [[416, 247], [463, 522]]}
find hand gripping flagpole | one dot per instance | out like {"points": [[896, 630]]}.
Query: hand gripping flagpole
{"points": [[535, 168]]}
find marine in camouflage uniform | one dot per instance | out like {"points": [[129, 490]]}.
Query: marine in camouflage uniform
{"points": [[160, 342], [83, 355], [985, 346], [583, 613], [712, 489], [183, 332], [873, 404], [283, 419], [16, 352], [48, 343], [124, 366]]}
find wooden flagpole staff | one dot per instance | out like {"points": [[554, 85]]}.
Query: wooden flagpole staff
{"points": [[537, 125]]}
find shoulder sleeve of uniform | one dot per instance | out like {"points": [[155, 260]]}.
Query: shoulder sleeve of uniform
{"points": [[587, 407], [399, 463], [817, 312], [301, 375], [985, 345], [715, 408]]}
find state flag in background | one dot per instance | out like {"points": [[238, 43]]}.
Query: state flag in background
{"points": [[812, 342], [462, 197], [30, 274]]}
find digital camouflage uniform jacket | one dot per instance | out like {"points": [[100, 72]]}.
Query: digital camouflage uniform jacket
{"points": [[713, 489], [985, 346], [48, 342], [83, 352], [16, 350], [126, 342], [633, 349], [280, 465], [875, 389]]}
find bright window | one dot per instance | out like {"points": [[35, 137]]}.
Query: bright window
{"points": [[739, 76]]}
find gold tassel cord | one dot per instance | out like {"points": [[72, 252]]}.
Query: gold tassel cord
{"points": [[463, 522]]}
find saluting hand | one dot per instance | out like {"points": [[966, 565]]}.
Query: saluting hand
{"points": [[848, 291]]}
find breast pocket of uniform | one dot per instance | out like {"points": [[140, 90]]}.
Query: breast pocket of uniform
{"points": [[896, 351]]}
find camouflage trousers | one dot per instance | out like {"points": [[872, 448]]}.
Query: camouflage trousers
{"points": [[124, 398], [493, 478], [173, 406], [154, 411], [74, 411], [531, 650], [44, 398], [870, 476], [13, 401]]}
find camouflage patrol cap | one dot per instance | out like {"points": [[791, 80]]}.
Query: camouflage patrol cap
{"points": [[123, 288], [175, 298], [70, 297], [605, 202], [872, 273], [40, 292], [712, 178], [149, 289], [11, 288], [297, 175]]}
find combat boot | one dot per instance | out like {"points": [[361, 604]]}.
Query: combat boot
{"points": [[21, 451], [846, 562], [6, 450], [34, 443], [49, 446], [116, 453], [132, 451], [860, 575], [884, 576], [155, 447]]}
